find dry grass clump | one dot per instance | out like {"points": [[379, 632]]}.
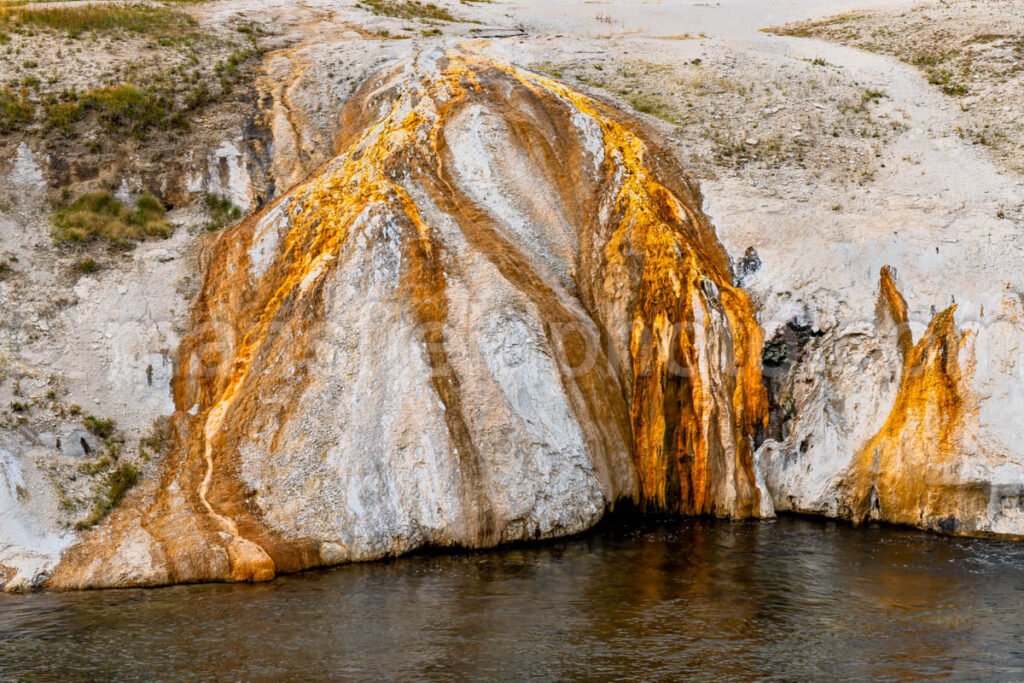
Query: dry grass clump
{"points": [[81, 18], [813, 28], [124, 109], [99, 216], [16, 110], [86, 266], [407, 9]]}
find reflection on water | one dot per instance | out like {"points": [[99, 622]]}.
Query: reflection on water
{"points": [[789, 599]]}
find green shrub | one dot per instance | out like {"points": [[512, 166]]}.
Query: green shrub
{"points": [[94, 467], [98, 215], [222, 211], [157, 440], [872, 96], [101, 427], [199, 96], [652, 104], [115, 485]]}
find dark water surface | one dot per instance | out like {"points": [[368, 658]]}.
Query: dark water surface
{"points": [[790, 599]]}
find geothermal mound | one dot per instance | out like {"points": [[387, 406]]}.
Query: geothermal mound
{"points": [[496, 313]]}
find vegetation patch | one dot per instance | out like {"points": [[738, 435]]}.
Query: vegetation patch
{"points": [[86, 266], [682, 36], [99, 216], [123, 109], [115, 484], [947, 82], [550, 68], [16, 111], [777, 122], [76, 19], [967, 51], [94, 467], [407, 9], [222, 211], [101, 427], [813, 29], [165, 103], [651, 103], [157, 440], [931, 56]]}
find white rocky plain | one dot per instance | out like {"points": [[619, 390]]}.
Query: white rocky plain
{"points": [[372, 471]]}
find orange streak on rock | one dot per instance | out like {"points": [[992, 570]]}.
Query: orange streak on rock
{"points": [[892, 304], [906, 473], [691, 422], [689, 360], [679, 470]]}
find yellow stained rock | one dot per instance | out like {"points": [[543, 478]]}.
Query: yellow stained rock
{"points": [[908, 472]]}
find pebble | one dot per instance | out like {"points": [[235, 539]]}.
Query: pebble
{"points": [[160, 255]]}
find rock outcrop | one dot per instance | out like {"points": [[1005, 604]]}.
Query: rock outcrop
{"points": [[489, 308], [498, 312], [925, 459]]}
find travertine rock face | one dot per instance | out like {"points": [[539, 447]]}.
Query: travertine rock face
{"points": [[902, 421], [495, 314]]}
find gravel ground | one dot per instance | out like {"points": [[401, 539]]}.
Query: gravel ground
{"points": [[972, 52]]}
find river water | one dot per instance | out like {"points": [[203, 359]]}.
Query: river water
{"points": [[790, 599]]}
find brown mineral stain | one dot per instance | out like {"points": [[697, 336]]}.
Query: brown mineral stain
{"points": [[893, 306]]}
